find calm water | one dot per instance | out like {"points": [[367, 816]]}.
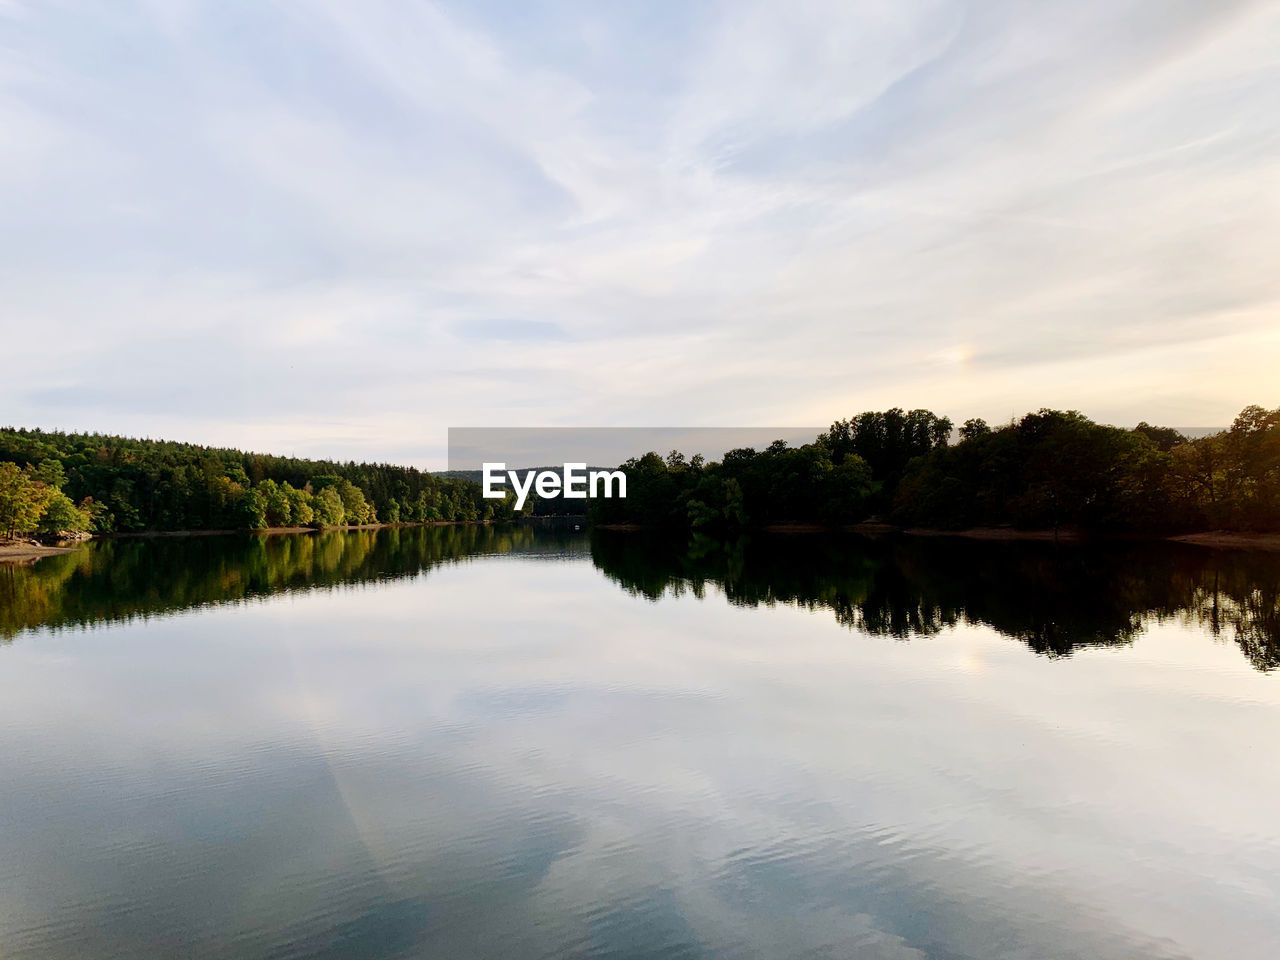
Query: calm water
{"points": [[464, 743]]}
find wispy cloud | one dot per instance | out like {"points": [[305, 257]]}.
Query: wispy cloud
{"points": [[338, 228]]}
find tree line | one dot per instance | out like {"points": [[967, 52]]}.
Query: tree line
{"points": [[1049, 469], [53, 481]]}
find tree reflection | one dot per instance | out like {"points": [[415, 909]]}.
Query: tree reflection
{"points": [[1052, 598], [114, 580]]}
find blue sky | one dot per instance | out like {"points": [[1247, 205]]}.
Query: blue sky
{"points": [[339, 228]]}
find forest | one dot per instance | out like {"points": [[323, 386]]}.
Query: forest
{"points": [[52, 482], [1051, 469]]}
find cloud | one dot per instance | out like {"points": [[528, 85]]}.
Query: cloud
{"points": [[262, 222], [511, 329]]}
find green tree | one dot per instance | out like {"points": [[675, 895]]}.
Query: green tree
{"points": [[328, 509], [301, 512], [158, 484], [354, 505], [22, 500], [63, 516], [251, 510], [276, 502], [50, 473]]}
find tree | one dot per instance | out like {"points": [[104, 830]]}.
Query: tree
{"points": [[22, 500], [252, 510], [328, 508], [354, 505], [276, 502], [1165, 438], [50, 473], [62, 516], [156, 484], [301, 512], [1052, 468], [888, 441]]}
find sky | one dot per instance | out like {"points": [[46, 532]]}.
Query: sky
{"points": [[339, 229]]}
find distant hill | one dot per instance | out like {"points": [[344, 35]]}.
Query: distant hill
{"points": [[1195, 433]]}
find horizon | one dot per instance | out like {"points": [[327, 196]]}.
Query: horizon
{"points": [[1191, 433]]}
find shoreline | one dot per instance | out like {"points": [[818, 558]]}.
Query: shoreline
{"points": [[270, 531], [1006, 534], [1214, 539], [1227, 539], [23, 552]]}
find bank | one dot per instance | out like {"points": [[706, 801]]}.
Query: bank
{"points": [[23, 551]]}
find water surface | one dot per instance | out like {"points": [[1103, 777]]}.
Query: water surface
{"points": [[469, 742]]}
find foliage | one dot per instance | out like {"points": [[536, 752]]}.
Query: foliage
{"points": [[62, 516], [747, 488], [1051, 469], [1230, 480], [1055, 469], [21, 500], [888, 442], [32, 500], [125, 484], [1048, 470]]}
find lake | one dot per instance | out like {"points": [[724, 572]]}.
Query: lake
{"points": [[469, 742]]}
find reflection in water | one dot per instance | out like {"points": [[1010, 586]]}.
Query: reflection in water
{"points": [[117, 580], [413, 743], [1054, 598]]}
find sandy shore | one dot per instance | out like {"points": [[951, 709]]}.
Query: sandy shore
{"points": [[28, 552]]}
